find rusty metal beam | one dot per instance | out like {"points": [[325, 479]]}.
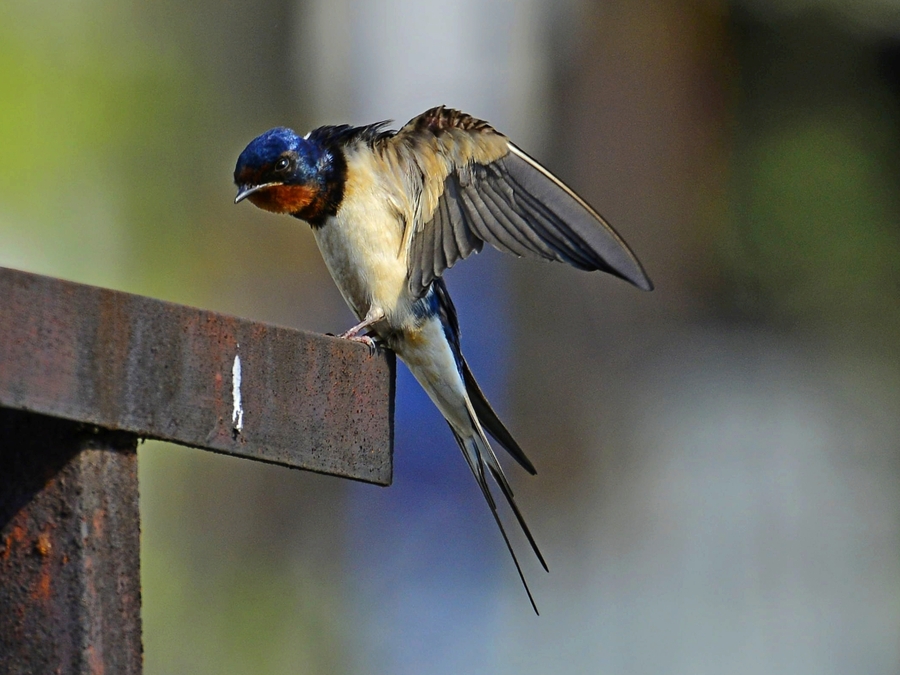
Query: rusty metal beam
{"points": [[154, 369], [84, 373], [70, 594]]}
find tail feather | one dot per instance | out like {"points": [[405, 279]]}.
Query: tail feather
{"points": [[491, 422], [479, 455], [476, 464], [466, 409], [508, 493]]}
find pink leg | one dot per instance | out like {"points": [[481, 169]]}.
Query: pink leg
{"points": [[353, 333], [373, 316]]}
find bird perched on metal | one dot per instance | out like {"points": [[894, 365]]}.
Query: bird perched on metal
{"points": [[392, 210]]}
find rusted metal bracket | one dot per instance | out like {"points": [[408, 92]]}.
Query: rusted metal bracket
{"points": [[70, 594], [84, 373]]}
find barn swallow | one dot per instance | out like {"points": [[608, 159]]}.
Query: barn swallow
{"points": [[392, 210]]}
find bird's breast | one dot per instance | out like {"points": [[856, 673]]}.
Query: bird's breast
{"points": [[362, 243]]}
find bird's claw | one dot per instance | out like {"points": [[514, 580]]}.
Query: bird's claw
{"points": [[364, 339]]}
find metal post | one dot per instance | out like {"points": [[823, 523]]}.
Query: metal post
{"points": [[70, 595]]}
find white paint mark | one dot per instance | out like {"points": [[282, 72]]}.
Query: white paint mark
{"points": [[237, 414]]}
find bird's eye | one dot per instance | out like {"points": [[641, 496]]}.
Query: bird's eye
{"points": [[282, 164]]}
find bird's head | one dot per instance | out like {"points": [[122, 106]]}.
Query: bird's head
{"points": [[281, 172]]}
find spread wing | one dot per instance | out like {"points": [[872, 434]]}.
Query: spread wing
{"points": [[477, 187]]}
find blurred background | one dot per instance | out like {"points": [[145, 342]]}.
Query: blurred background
{"points": [[718, 482]]}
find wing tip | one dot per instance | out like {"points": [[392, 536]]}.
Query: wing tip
{"points": [[610, 254]]}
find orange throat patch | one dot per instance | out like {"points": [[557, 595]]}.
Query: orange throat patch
{"points": [[284, 198]]}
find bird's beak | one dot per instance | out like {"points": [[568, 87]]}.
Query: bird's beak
{"points": [[245, 191]]}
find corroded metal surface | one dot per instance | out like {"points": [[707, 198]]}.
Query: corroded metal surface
{"points": [[70, 593], [160, 370]]}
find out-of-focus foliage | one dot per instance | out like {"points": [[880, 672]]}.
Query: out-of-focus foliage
{"points": [[87, 98], [815, 235]]}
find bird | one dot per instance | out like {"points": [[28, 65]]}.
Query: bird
{"points": [[392, 210]]}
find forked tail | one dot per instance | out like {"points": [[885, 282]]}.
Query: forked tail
{"points": [[480, 456]]}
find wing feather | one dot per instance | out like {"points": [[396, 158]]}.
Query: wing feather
{"points": [[474, 186], [475, 213], [525, 229], [565, 244], [499, 231], [451, 250], [464, 222]]}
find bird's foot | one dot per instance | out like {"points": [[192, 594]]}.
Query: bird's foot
{"points": [[364, 339], [371, 318], [354, 333]]}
